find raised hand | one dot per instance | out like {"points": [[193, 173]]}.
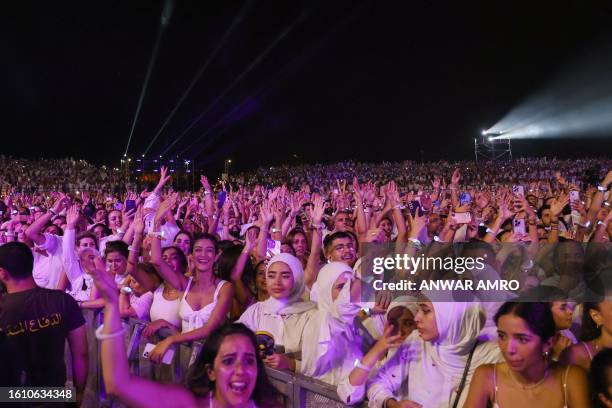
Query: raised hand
{"points": [[558, 204], [72, 217], [436, 183], [318, 210], [205, 183], [139, 224], [456, 177], [417, 223], [163, 179], [251, 239], [357, 191], [266, 213]]}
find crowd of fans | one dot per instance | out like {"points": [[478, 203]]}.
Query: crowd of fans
{"points": [[289, 251]]}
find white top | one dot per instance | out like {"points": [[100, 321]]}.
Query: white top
{"points": [[161, 308], [194, 319], [79, 279], [287, 329], [141, 304], [48, 268]]}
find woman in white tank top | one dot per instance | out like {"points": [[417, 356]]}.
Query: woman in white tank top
{"points": [[206, 300], [166, 299]]}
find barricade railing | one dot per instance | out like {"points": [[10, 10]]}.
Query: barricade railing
{"points": [[298, 391]]}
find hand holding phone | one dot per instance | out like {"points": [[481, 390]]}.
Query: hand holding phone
{"points": [[168, 356]]}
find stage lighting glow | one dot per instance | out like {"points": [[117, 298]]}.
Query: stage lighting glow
{"points": [[577, 102], [484, 132]]}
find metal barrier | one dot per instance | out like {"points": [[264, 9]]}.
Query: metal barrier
{"points": [[298, 391]]}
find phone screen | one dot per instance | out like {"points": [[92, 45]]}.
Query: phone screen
{"points": [[130, 205]]}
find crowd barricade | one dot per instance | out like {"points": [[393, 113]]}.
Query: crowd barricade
{"points": [[298, 391]]}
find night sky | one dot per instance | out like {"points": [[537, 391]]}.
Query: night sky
{"points": [[364, 80]]}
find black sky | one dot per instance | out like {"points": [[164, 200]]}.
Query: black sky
{"points": [[365, 80]]}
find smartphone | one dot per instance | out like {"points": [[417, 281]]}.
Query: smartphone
{"points": [[274, 247], [415, 206], [462, 218], [518, 226], [574, 196], [130, 205], [465, 198], [518, 190], [265, 343], [221, 197], [168, 356]]}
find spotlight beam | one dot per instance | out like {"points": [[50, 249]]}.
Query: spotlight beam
{"points": [[165, 19], [236, 80], [237, 20]]}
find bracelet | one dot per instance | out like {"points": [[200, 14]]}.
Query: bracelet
{"points": [[415, 241], [313, 226], [207, 192], [586, 224], [437, 239], [358, 364], [366, 210], [600, 222], [273, 230], [490, 231], [101, 336], [120, 231], [367, 311], [156, 234], [52, 212], [133, 249], [602, 188]]}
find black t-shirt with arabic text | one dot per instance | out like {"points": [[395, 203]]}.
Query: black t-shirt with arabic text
{"points": [[36, 323]]}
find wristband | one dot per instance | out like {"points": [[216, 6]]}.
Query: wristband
{"points": [[52, 212], [602, 223], [133, 249], [313, 226], [585, 225], [207, 192], [367, 311], [358, 364], [120, 231], [156, 234], [602, 188], [415, 241], [366, 210], [101, 336], [437, 239], [273, 230], [490, 231]]}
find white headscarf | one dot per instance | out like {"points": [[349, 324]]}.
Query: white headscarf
{"points": [[459, 326], [331, 349], [341, 311], [293, 304]]}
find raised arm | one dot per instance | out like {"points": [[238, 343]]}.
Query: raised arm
{"points": [[242, 293], [175, 279], [262, 242], [313, 265], [131, 390], [34, 231]]}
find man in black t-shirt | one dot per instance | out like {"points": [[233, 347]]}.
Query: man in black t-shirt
{"points": [[37, 322]]}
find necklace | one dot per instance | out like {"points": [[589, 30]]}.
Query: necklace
{"points": [[530, 386]]}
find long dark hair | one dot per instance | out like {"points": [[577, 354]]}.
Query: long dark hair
{"points": [[599, 381], [198, 382], [537, 316]]}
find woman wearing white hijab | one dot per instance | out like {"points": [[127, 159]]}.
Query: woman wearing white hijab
{"points": [[283, 314], [333, 344], [429, 367]]}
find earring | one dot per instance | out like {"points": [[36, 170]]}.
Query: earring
{"points": [[598, 325], [546, 355]]}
